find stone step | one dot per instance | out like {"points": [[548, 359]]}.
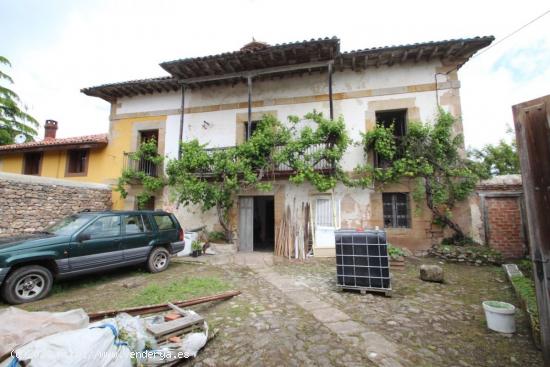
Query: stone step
{"points": [[224, 248]]}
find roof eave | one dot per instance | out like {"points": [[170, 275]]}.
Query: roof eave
{"points": [[44, 148]]}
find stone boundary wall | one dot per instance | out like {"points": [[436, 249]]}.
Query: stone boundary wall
{"points": [[30, 203]]}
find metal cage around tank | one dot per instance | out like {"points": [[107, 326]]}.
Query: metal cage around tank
{"points": [[362, 260]]}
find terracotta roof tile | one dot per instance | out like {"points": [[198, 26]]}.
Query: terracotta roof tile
{"points": [[100, 139]]}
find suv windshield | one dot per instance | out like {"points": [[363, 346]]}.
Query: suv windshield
{"points": [[69, 225]]}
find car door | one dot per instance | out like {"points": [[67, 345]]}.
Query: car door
{"points": [[166, 227], [98, 245], [137, 235]]}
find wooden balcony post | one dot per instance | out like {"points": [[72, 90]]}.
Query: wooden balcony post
{"points": [[330, 90], [249, 126], [181, 118]]}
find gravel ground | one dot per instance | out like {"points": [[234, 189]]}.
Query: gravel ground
{"points": [[431, 324]]}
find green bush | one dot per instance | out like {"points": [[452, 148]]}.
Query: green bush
{"points": [[216, 236], [395, 252]]}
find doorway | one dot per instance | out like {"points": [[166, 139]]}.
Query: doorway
{"points": [[257, 223]]}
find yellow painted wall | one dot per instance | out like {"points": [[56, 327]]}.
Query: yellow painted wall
{"points": [[104, 166]]}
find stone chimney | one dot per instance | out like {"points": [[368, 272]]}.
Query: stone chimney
{"points": [[50, 128]]}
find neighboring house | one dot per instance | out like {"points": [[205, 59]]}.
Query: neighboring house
{"points": [[82, 158], [216, 98]]}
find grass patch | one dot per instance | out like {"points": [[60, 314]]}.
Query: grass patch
{"points": [[179, 290], [525, 289]]}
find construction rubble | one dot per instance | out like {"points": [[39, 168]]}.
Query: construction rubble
{"points": [[156, 335]]}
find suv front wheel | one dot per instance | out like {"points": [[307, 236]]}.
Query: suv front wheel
{"points": [[27, 284], [158, 260]]}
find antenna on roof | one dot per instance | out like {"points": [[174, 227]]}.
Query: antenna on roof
{"points": [[20, 138]]}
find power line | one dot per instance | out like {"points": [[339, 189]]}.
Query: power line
{"points": [[514, 32]]}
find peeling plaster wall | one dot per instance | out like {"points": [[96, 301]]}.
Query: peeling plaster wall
{"points": [[358, 95]]}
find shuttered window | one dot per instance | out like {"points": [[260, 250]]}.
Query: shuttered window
{"points": [[396, 210]]}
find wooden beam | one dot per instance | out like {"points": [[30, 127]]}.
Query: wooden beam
{"points": [[366, 62], [391, 59], [452, 48], [404, 56], [256, 72], [144, 310], [434, 52], [228, 65], [217, 65], [188, 69], [353, 63], [419, 54]]}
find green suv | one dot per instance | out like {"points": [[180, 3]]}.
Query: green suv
{"points": [[83, 243]]}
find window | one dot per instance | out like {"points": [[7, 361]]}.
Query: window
{"points": [[148, 205], [104, 227], [77, 162], [397, 118], [164, 222], [253, 127], [396, 210], [325, 212], [32, 163], [133, 224], [148, 135]]}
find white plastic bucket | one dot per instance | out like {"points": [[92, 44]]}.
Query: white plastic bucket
{"points": [[500, 316]]}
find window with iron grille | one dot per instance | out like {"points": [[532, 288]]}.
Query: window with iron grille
{"points": [[397, 118], [396, 210]]}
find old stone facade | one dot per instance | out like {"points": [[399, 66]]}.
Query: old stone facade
{"points": [[502, 217], [218, 99], [29, 203]]}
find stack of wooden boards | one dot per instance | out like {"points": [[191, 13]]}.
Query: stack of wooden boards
{"points": [[295, 232], [175, 326]]}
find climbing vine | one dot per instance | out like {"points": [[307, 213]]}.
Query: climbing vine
{"points": [[431, 154], [212, 178], [145, 169]]}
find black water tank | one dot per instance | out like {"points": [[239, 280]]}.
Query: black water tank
{"points": [[362, 260]]}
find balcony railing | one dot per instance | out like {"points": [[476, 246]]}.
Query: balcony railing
{"points": [[140, 165], [282, 168]]}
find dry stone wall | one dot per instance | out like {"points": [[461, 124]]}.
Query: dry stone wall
{"points": [[31, 203]]}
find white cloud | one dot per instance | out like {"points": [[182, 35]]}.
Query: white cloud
{"points": [[109, 41]]}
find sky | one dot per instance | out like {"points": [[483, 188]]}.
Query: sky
{"points": [[57, 47]]}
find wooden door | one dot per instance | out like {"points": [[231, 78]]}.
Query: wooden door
{"points": [[531, 120], [246, 224]]}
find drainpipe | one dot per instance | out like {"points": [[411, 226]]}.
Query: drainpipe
{"points": [[181, 118], [249, 127]]}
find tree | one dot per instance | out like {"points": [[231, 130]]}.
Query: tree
{"points": [[431, 155], [494, 160], [13, 120]]}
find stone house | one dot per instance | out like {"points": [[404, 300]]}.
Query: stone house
{"points": [[218, 99]]}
